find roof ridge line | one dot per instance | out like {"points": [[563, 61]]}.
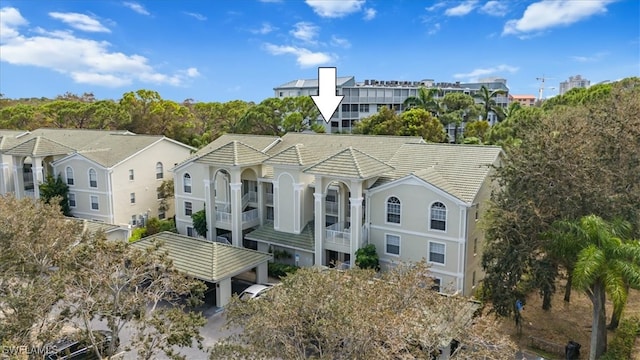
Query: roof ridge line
{"points": [[355, 160]]}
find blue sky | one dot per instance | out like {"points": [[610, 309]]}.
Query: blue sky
{"points": [[241, 49]]}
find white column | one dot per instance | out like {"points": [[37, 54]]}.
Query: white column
{"points": [[36, 172], [236, 213], [342, 203], [356, 219], [262, 273], [297, 203], [319, 223], [209, 208], [261, 205], [276, 204], [17, 181], [223, 292], [3, 177]]}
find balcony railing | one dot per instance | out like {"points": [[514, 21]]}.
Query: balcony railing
{"points": [[331, 207], [30, 194], [250, 196], [268, 198], [223, 206], [223, 217], [247, 216], [339, 233]]}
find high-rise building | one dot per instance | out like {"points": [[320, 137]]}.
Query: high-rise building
{"points": [[363, 99], [574, 82]]}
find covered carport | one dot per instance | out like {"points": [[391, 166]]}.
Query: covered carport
{"points": [[210, 261]]}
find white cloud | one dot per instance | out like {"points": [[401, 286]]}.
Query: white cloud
{"points": [[84, 60], [80, 21], [495, 8], [305, 31], [369, 14], [335, 8], [10, 20], [196, 16], [462, 9], [264, 29], [436, 6], [434, 29], [474, 74], [340, 42], [304, 57], [551, 13], [592, 58], [136, 7]]}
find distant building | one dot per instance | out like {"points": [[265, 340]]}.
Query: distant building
{"points": [[524, 100], [363, 99], [574, 82]]}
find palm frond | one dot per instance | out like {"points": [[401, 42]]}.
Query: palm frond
{"points": [[588, 266]]}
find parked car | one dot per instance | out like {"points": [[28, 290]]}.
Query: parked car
{"points": [[254, 291], [77, 347]]}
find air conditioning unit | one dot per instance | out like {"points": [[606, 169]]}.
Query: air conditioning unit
{"points": [[366, 82]]}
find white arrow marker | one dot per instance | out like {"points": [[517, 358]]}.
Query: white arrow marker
{"points": [[327, 101]]}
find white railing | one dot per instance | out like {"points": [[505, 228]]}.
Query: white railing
{"points": [[223, 217], [249, 215], [268, 198], [251, 196], [331, 207], [223, 206], [222, 239], [30, 193], [339, 233]]}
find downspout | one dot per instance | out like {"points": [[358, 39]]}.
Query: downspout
{"points": [[110, 194]]}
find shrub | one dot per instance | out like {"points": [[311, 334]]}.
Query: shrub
{"points": [[367, 257], [622, 345], [137, 234], [281, 270]]}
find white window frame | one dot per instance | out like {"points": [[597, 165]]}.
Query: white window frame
{"points": [[444, 254], [185, 208], [75, 201], [192, 230], [162, 214], [184, 183], [132, 198], [387, 213], [134, 220], [95, 173], [446, 213], [68, 170], [131, 175], [159, 171], [91, 197], [386, 243]]}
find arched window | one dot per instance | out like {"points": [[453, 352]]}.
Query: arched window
{"points": [[159, 171], [393, 210], [438, 216], [186, 183], [93, 178], [69, 173]]}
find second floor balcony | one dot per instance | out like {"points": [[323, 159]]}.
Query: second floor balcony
{"points": [[249, 219]]}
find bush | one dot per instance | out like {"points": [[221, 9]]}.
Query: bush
{"points": [[155, 225], [137, 234], [281, 270], [367, 258], [622, 345]]}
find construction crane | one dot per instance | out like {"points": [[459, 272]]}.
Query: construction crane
{"points": [[541, 89]]}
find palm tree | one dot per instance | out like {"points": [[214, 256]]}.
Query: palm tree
{"points": [[487, 100], [604, 266], [424, 100]]}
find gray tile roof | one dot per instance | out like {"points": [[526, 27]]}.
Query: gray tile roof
{"points": [[9, 138], [39, 146], [459, 170], [296, 155], [350, 163], [205, 260], [312, 83], [259, 142], [93, 227], [234, 153], [303, 241]]}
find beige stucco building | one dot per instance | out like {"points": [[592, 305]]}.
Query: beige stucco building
{"points": [[112, 175], [319, 198]]}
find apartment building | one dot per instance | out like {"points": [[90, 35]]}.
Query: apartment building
{"points": [[319, 198], [112, 175], [523, 100], [363, 99], [573, 82]]}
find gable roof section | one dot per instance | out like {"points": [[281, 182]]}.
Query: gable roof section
{"points": [[303, 241], [296, 155], [259, 142], [234, 153], [350, 163], [39, 146], [10, 138], [458, 170], [205, 260]]}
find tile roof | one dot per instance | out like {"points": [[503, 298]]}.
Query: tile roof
{"points": [[459, 170], [234, 153], [259, 142], [350, 163], [39, 146], [312, 83], [266, 233], [93, 227], [205, 260], [9, 138], [297, 155]]}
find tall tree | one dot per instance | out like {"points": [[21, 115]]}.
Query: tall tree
{"points": [[487, 99], [424, 99], [56, 189], [458, 109]]}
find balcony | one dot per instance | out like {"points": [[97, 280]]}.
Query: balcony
{"points": [[339, 234], [268, 198], [249, 218], [250, 196], [331, 207]]}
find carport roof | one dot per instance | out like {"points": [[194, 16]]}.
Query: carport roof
{"points": [[205, 260], [303, 241]]}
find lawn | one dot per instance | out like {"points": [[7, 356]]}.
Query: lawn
{"points": [[565, 321]]}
